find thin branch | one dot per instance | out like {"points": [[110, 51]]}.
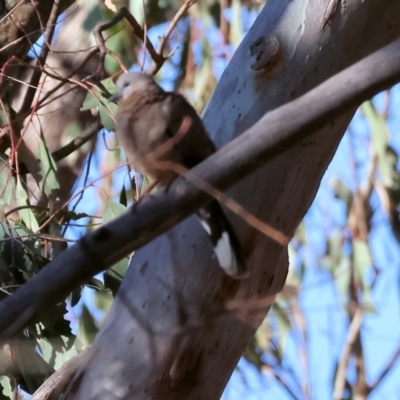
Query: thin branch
{"points": [[40, 62], [275, 133], [352, 334], [88, 134], [270, 370], [137, 30], [177, 17], [300, 319], [156, 55]]}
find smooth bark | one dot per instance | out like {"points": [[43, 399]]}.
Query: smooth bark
{"points": [[178, 328]]}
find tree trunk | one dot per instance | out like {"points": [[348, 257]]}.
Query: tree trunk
{"points": [[178, 325]]}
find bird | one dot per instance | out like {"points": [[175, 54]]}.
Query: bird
{"points": [[155, 126]]}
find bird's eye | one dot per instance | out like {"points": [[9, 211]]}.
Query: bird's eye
{"points": [[125, 84]]}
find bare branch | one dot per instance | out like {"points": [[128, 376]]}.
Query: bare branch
{"points": [[156, 55], [185, 6], [137, 30], [40, 62], [56, 384], [270, 370], [352, 334], [88, 134]]}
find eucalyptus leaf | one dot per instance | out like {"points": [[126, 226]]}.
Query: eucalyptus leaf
{"points": [[6, 183], [361, 259], [283, 324], [87, 327], [112, 210], [48, 182], [25, 212]]}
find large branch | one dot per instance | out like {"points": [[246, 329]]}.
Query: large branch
{"points": [[275, 133]]}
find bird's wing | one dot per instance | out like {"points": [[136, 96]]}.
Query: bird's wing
{"points": [[194, 144]]}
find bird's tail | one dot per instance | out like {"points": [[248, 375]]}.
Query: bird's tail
{"points": [[227, 247]]}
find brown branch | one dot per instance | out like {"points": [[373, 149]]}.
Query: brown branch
{"points": [[137, 30], [300, 320], [275, 133], [270, 370], [352, 334], [88, 134], [156, 55], [40, 62], [57, 383], [185, 6]]}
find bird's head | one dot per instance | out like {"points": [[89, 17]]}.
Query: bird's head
{"points": [[132, 82]]}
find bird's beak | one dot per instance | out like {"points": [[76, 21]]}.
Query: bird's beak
{"points": [[115, 97]]}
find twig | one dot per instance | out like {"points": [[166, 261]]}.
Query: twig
{"points": [[156, 55], [270, 370], [300, 319], [185, 6], [88, 134], [352, 333], [40, 62], [137, 30]]}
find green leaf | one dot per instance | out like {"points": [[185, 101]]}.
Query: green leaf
{"points": [[334, 251], [283, 324], [342, 192], [25, 213], [380, 138], [361, 259], [106, 115], [8, 391], [104, 300], [368, 304], [114, 275], [58, 246], [48, 182], [97, 96], [6, 183], [32, 250], [112, 210], [123, 198], [301, 234], [58, 350], [236, 31], [98, 99], [292, 276], [90, 102], [87, 328], [263, 336], [32, 369], [342, 279]]}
